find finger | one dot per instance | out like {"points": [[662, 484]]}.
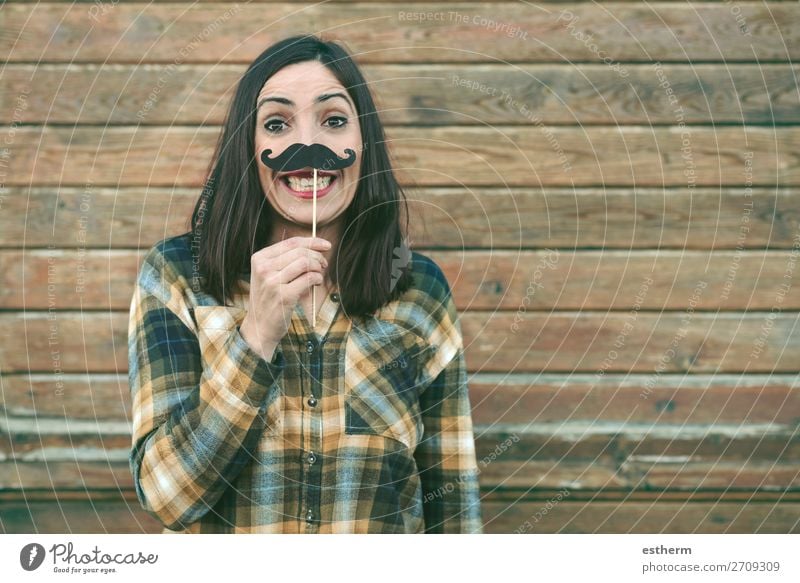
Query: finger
{"points": [[293, 255], [286, 245], [267, 267], [297, 268], [302, 285]]}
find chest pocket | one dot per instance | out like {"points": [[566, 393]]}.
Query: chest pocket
{"points": [[382, 365], [215, 325]]}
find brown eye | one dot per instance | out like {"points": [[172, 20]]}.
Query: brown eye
{"points": [[269, 125], [343, 121]]}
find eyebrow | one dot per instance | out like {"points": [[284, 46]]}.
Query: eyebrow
{"points": [[319, 99]]}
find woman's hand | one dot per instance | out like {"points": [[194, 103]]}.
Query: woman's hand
{"points": [[280, 275]]}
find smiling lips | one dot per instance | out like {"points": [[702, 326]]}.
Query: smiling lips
{"points": [[300, 183]]}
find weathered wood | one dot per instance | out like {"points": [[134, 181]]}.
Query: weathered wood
{"points": [[36, 446], [54, 279], [669, 399], [153, 94], [502, 342], [658, 343], [445, 217], [94, 396], [590, 456], [556, 514], [563, 516], [579, 455], [481, 280], [587, 406], [496, 494], [112, 517], [495, 398], [269, 2], [515, 156], [221, 33], [585, 475], [84, 475]]}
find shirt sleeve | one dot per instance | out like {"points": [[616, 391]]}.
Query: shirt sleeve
{"points": [[445, 456], [197, 414]]}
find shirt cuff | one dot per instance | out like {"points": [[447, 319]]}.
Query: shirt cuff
{"points": [[255, 368]]}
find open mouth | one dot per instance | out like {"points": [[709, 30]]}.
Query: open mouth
{"points": [[301, 185]]}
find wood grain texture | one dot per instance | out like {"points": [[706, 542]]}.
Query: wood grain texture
{"points": [[507, 156], [481, 280], [441, 217], [421, 94], [626, 283], [214, 33], [495, 397], [580, 456], [599, 342], [501, 515]]}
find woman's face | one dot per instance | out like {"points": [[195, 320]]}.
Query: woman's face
{"points": [[305, 103]]}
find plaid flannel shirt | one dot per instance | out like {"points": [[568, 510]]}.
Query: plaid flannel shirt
{"points": [[355, 426]]}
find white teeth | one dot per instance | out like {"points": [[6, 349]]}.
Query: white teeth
{"points": [[307, 184]]}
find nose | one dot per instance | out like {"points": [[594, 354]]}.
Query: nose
{"points": [[307, 132]]}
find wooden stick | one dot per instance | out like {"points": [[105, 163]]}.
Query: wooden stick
{"points": [[314, 234]]}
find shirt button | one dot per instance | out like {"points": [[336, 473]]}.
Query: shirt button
{"points": [[310, 346], [312, 402], [335, 297], [309, 516], [311, 458]]}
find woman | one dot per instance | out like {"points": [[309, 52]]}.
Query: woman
{"points": [[246, 416]]}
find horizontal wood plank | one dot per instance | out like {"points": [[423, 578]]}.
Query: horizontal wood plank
{"points": [[585, 475], [497, 494], [442, 217], [557, 514], [563, 516], [597, 455], [55, 476], [580, 456], [345, 2], [508, 156], [481, 280], [495, 398], [648, 342], [504, 32], [657, 343], [630, 398], [419, 94], [95, 396], [124, 516]]}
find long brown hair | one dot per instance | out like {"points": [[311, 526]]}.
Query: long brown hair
{"points": [[232, 218]]}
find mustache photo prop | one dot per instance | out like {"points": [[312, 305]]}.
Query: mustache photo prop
{"points": [[318, 157], [299, 156]]}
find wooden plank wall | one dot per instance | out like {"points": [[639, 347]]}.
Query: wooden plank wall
{"points": [[611, 188]]}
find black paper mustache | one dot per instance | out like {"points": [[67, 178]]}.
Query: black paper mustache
{"points": [[299, 156]]}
